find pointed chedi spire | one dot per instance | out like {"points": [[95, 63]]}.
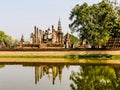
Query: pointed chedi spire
{"points": [[22, 38], [22, 41], [59, 26]]}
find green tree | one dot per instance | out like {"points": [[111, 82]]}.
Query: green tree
{"points": [[10, 42], [7, 41], [74, 40], [3, 37], [16, 43], [96, 23], [94, 78]]}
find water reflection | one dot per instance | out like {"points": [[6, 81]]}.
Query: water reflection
{"points": [[87, 77], [2, 66], [50, 70], [94, 77]]}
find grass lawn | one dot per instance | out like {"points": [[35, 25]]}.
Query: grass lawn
{"points": [[72, 56]]}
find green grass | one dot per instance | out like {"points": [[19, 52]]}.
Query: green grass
{"points": [[91, 56], [94, 57], [115, 57], [32, 56], [72, 56]]}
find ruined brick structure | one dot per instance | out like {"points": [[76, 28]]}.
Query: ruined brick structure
{"points": [[114, 42], [48, 38], [22, 41], [67, 41]]}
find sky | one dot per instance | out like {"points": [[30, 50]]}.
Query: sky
{"points": [[19, 17]]}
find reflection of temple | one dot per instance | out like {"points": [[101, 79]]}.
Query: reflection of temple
{"points": [[49, 70]]}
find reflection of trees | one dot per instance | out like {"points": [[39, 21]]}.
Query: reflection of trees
{"points": [[94, 78], [2, 66]]}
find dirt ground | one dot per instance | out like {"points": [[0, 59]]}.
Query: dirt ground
{"points": [[57, 53]]}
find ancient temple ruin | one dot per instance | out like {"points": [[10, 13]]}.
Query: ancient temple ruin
{"points": [[48, 38], [114, 42]]}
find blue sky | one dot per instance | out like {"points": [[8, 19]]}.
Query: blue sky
{"points": [[18, 17]]}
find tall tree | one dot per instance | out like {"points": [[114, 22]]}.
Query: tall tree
{"points": [[3, 37], [95, 23], [74, 40], [6, 40]]}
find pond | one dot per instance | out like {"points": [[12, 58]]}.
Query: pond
{"points": [[51, 76]]}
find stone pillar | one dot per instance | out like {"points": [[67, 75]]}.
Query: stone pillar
{"points": [[53, 35], [59, 37], [22, 41], [40, 36], [35, 29], [36, 40], [67, 41], [32, 38], [62, 39], [67, 45], [37, 36]]}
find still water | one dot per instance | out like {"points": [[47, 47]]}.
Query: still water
{"points": [[59, 77]]}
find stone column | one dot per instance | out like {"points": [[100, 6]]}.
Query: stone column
{"points": [[37, 36], [35, 28], [40, 36], [53, 35], [22, 41], [67, 41], [32, 38], [67, 45]]}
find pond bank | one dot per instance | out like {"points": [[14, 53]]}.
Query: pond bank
{"points": [[73, 55], [56, 61], [59, 53]]}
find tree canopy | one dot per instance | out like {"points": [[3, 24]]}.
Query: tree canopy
{"points": [[6, 40], [96, 23], [3, 36], [74, 40]]}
